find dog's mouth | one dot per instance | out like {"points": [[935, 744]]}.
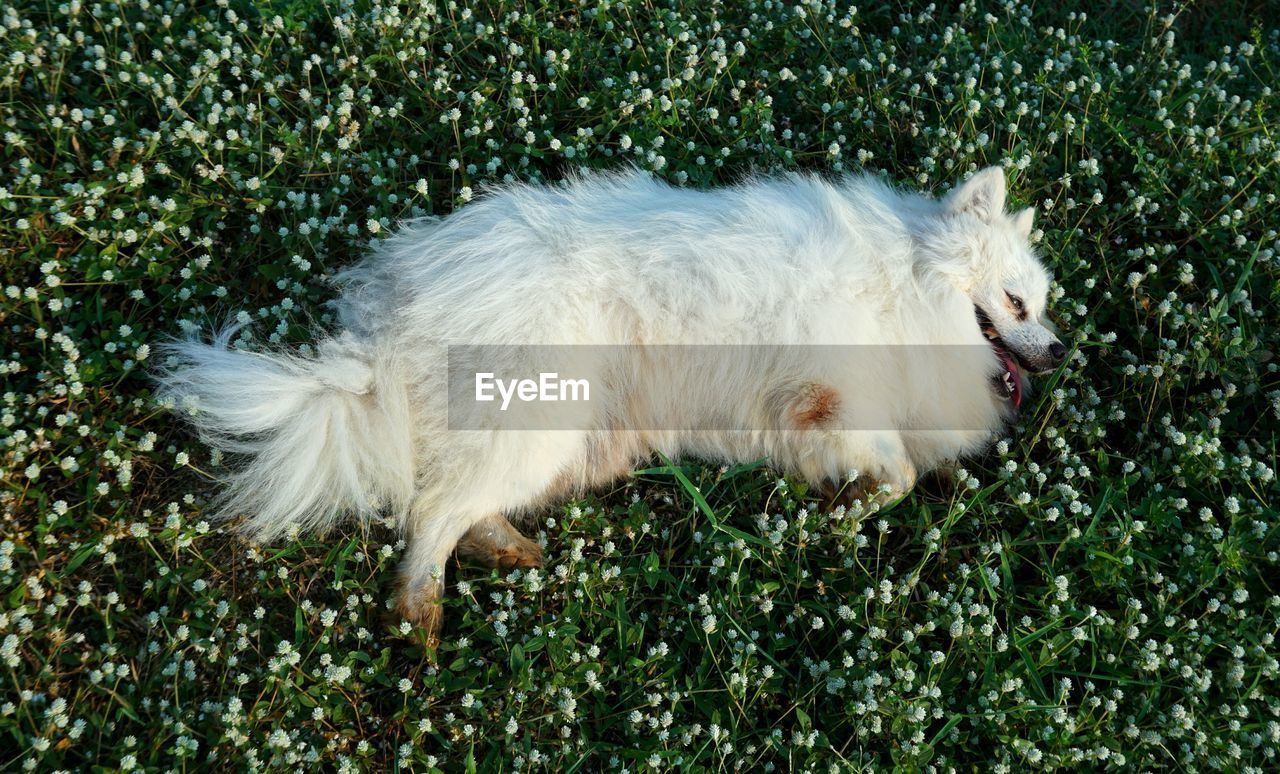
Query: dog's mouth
{"points": [[1010, 383]]}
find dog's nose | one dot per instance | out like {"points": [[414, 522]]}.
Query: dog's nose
{"points": [[1057, 351]]}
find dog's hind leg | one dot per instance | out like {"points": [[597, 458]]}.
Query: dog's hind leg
{"points": [[489, 539], [432, 536], [464, 505], [494, 542]]}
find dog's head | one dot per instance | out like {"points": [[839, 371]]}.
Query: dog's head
{"points": [[986, 254]]}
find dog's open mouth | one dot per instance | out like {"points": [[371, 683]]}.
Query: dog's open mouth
{"points": [[1009, 384]]}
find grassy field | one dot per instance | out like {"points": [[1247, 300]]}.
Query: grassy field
{"points": [[1099, 591]]}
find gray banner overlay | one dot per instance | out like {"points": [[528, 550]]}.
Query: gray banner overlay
{"points": [[748, 388]]}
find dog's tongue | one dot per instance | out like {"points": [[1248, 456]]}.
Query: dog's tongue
{"points": [[1015, 376]]}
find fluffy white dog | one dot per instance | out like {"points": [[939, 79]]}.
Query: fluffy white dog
{"points": [[828, 325]]}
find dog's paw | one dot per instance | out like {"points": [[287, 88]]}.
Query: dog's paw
{"points": [[522, 555], [421, 607], [898, 479], [501, 547]]}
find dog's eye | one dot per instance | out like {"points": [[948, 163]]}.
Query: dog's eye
{"points": [[1015, 301]]}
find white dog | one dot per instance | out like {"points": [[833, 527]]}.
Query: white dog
{"points": [[854, 327]]}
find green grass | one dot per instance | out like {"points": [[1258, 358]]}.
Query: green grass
{"points": [[1100, 591]]}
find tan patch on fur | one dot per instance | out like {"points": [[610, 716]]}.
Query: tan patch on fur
{"points": [[815, 405]]}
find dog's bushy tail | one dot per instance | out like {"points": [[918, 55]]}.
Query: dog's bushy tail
{"points": [[308, 439]]}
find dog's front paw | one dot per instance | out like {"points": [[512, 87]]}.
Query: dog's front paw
{"points": [[898, 478]]}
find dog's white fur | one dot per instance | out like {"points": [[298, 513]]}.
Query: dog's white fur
{"points": [[626, 259]]}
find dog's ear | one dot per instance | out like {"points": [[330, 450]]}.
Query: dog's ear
{"points": [[981, 195], [1023, 221]]}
